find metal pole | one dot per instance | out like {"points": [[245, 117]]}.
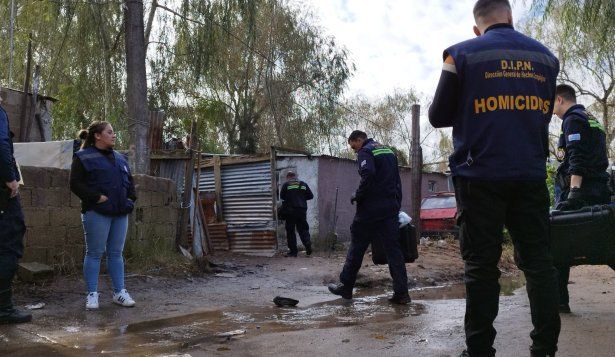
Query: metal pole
{"points": [[12, 44]]}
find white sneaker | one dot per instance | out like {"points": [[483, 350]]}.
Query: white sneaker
{"points": [[91, 302], [123, 298]]}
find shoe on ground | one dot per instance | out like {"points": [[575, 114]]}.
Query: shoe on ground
{"points": [[341, 290], [400, 299], [290, 254], [542, 354], [308, 250], [14, 316], [122, 298], [564, 308], [91, 301], [465, 353]]}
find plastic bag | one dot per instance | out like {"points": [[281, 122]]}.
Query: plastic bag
{"points": [[404, 219]]}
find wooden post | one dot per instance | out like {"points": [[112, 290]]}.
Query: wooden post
{"points": [[274, 191], [218, 187], [416, 163], [136, 86], [34, 105], [184, 213], [26, 89]]}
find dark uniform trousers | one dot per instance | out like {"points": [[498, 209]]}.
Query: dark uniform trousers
{"points": [[362, 234], [297, 220], [596, 193], [12, 230], [485, 207]]}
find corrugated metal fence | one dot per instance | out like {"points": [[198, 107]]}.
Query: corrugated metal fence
{"points": [[247, 205]]}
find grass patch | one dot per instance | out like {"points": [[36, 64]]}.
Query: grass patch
{"points": [[156, 256]]}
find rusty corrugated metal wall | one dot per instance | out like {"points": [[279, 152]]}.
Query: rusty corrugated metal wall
{"points": [[246, 205]]}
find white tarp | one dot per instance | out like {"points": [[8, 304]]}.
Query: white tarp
{"points": [[58, 154]]}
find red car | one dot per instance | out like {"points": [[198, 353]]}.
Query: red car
{"points": [[438, 213]]}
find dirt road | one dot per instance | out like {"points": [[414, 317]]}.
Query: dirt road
{"points": [[189, 315]]}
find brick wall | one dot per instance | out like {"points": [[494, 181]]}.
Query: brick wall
{"points": [[53, 217]]}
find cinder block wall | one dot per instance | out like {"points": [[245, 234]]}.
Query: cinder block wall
{"points": [[53, 217]]}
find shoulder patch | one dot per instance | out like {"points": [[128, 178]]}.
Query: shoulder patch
{"points": [[363, 163], [574, 137]]}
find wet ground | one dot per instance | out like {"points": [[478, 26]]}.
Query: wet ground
{"points": [[231, 314]]}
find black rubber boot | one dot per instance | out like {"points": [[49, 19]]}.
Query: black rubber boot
{"points": [[400, 299], [308, 249], [8, 314], [341, 290]]}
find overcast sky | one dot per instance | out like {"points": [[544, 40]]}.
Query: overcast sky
{"points": [[398, 43]]}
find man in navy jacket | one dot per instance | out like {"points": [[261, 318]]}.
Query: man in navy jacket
{"points": [[497, 91], [378, 201], [12, 225]]}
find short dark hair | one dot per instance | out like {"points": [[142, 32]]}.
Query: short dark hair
{"points": [[357, 134], [484, 8], [567, 92]]}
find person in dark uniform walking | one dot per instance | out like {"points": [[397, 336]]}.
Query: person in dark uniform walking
{"points": [[295, 194], [12, 225], [378, 201], [497, 93], [582, 176]]}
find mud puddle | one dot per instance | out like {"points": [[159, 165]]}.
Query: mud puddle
{"points": [[173, 334]]}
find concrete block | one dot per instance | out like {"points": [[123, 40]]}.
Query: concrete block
{"points": [[34, 254], [25, 196], [59, 179], [65, 217], [43, 197], [74, 235], [75, 201], [35, 177], [144, 198], [36, 217], [53, 236], [34, 272]]}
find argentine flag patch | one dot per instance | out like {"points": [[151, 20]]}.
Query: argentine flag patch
{"points": [[574, 137]]}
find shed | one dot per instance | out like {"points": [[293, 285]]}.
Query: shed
{"points": [[242, 194]]}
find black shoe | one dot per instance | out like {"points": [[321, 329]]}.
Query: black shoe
{"points": [[341, 290], [542, 354], [308, 249], [14, 316], [465, 353], [564, 308], [400, 299], [291, 254]]}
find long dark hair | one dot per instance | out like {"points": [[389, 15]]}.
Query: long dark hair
{"points": [[96, 127]]}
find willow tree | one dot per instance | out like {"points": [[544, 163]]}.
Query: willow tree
{"points": [[266, 62], [79, 46], [583, 36]]}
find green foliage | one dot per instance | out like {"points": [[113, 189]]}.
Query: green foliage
{"points": [[551, 170], [387, 119], [581, 16], [267, 62], [582, 34], [81, 54]]}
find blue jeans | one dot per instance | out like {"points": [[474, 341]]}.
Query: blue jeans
{"points": [[104, 233]]}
